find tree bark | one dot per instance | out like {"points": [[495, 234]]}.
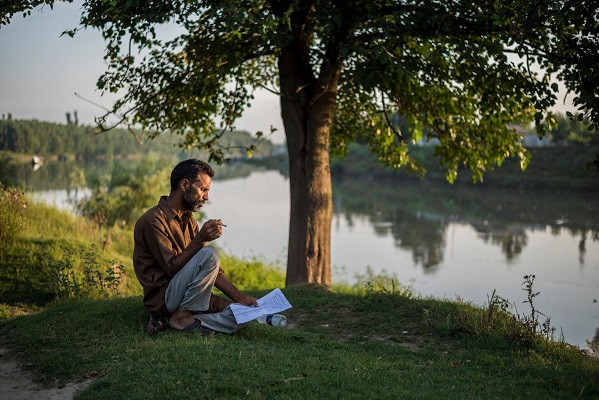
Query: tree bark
{"points": [[307, 107]]}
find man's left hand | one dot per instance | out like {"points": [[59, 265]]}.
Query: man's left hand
{"points": [[247, 300]]}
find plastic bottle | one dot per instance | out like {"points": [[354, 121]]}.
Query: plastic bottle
{"points": [[273, 319]]}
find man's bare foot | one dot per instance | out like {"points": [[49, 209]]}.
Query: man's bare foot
{"points": [[181, 319]]}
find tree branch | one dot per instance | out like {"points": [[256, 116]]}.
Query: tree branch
{"points": [[395, 131]]}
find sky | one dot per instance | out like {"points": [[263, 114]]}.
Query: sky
{"points": [[40, 72]]}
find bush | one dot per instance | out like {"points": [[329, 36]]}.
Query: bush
{"points": [[122, 196], [12, 221]]}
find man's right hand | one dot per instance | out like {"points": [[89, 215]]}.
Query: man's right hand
{"points": [[211, 230]]}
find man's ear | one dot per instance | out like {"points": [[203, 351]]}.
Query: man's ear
{"points": [[184, 184]]}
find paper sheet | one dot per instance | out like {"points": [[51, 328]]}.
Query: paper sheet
{"points": [[273, 302]]}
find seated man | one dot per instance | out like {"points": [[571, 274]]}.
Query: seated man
{"points": [[175, 267]]}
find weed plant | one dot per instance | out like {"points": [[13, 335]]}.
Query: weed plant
{"points": [[495, 319], [90, 280]]}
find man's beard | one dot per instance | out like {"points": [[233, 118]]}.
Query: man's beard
{"points": [[192, 202]]}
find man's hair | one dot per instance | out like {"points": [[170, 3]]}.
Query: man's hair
{"points": [[189, 169]]}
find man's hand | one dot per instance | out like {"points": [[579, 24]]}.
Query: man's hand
{"points": [[211, 230], [246, 300]]}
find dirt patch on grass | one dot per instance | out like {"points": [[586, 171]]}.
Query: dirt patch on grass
{"points": [[408, 342], [341, 330], [297, 318], [16, 384]]}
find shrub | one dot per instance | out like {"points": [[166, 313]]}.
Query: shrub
{"points": [[12, 207]]}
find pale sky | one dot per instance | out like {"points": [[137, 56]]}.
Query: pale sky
{"points": [[40, 72]]}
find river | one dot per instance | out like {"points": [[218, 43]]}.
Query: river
{"points": [[450, 242]]}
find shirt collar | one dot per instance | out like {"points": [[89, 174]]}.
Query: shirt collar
{"points": [[170, 213]]}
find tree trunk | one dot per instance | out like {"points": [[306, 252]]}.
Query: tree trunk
{"points": [[307, 107], [108, 240]]}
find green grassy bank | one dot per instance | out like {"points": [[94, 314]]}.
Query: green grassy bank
{"points": [[339, 346], [378, 341]]}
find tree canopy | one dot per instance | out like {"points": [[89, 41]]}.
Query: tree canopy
{"points": [[445, 65], [463, 69]]}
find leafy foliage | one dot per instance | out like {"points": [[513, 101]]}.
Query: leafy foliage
{"points": [[573, 130], [463, 70], [10, 7], [123, 195]]}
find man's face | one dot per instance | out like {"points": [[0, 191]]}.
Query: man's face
{"points": [[197, 193]]}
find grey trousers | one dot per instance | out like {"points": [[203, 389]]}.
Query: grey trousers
{"points": [[191, 289]]}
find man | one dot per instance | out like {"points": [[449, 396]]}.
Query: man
{"points": [[176, 268]]}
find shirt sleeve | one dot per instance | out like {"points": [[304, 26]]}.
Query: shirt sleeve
{"points": [[161, 247], [196, 230]]}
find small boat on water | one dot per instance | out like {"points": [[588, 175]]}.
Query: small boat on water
{"points": [[36, 162]]}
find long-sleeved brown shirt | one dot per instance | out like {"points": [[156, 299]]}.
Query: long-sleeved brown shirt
{"points": [[159, 236]]}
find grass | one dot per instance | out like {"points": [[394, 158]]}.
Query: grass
{"points": [[378, 341], [374, 345]]}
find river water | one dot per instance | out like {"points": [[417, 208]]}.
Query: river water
{"points": [[443, 241]]}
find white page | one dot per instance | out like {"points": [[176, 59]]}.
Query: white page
{"points": [[271, 303]]}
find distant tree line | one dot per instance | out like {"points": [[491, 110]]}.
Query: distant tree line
{"points": [[83, 142], [572, 130]]}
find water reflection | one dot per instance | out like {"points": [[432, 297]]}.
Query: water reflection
{"points": [[417, 216], [58, 175], [512, 239], [73, 175], [426, 242]]}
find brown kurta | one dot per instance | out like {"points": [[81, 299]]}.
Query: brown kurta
{"points": [[160, 235]]}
